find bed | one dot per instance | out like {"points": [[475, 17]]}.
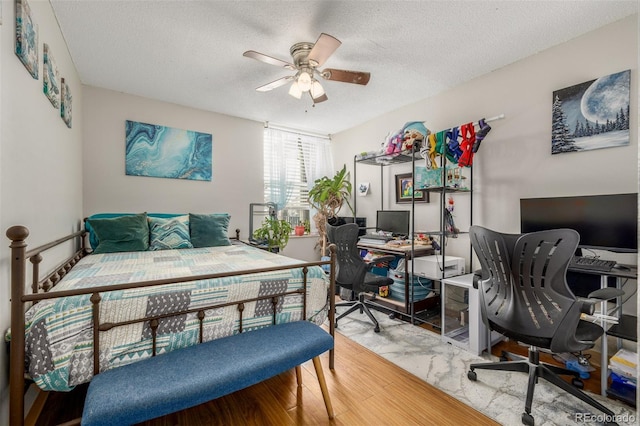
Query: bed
{"points": [[137, 304]]}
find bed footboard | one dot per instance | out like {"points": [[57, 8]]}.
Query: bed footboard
{"points": [[21, 298]]}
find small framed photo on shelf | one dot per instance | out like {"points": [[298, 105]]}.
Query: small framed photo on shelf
{"points": [[405, 192]]}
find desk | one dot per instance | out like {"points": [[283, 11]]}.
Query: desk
{"points": [[406, 251], [626, 327]]}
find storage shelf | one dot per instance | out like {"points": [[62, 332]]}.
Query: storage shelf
{"points": [[406, 307], [446, 234], [625, 329], [627, 396], [446, 189], [389, 159]]}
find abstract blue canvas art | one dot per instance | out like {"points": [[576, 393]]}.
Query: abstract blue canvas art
{"points": [[26, 38], [50, 78], [65, 102], [159, 151]]}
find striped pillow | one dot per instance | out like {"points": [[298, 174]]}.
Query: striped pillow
{"points": [[169, 233]]}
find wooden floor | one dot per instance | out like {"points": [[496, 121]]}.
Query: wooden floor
{"points": [[365, 389]]}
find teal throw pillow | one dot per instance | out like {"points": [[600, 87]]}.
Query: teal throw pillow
{"points": [[209, 230], [124, 233], [171, 233]]}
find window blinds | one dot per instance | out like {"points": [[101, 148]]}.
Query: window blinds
{"points": [[292, 163]]}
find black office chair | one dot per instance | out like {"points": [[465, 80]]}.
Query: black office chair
{"points": [[525, 297], [353, 272]]}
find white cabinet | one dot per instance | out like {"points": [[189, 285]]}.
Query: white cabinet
{"points": [[462, 324]]}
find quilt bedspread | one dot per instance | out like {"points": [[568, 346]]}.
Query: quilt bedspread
{"points": [[59, 331]]}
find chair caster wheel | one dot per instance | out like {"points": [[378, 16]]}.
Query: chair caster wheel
{"points": [[577, 383], [471, 375], [527, 419], [376, 330], [392, 316], [336, 324]]}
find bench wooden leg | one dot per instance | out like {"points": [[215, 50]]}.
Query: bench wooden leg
{"points": [[299, 375], [323, 386]]}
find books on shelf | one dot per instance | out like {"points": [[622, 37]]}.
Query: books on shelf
{"points": [[624, 363]]}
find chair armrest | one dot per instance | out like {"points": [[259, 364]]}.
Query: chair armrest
{"points": [[587, 306], [607, 293], [477, 276]]}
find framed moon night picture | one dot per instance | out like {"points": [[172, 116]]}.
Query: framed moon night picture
{"points": [[591, 115]]}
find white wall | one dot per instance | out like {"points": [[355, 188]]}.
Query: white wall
{"points": [[515, 159], [237, 160], [40, 158]]}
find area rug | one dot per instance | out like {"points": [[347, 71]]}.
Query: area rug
{"points": [[497, 394]]}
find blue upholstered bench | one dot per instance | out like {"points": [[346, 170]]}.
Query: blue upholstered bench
{"points": [[190, 376]]}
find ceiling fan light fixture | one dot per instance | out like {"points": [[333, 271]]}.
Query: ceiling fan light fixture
{"points": [[304, 81], [306, 58], [295, 91], [316, 89]]}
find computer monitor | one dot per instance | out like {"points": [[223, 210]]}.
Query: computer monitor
{"points": [[394, 221], [604, 222], [360, 221]]}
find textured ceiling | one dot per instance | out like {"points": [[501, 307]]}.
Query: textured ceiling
{"points": [[190, 52]]}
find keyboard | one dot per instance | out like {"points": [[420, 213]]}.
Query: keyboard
{"points": [[592, 263], [384, 238]]}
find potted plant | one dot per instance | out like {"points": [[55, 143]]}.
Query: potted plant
{"points": [[274, 233], [307, 226], [328, 196]]}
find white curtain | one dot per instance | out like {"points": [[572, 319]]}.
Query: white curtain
{"points": [[277, 156], [318, 160], [293, 161]]}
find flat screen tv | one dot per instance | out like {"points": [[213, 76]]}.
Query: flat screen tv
{"points": [[394, 221], [604, 222]]}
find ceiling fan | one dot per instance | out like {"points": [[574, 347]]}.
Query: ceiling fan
{"points": [[307, 57]]}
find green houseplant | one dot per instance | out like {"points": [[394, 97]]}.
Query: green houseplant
{"points": [[328, 195], [274, 233]]}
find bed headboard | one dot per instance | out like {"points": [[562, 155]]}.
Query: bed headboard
{"points": [[93, 239]]}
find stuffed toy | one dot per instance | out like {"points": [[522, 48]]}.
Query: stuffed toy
{"points": [[394, 144], [414, 134]]}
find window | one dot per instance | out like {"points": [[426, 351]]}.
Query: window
{"points": [[292, 162]]}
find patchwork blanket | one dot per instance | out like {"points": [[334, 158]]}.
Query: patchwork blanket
{"points": [[59, 331]]}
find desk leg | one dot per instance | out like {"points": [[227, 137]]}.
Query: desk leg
{"points": [[604, 361], [618, 310], [408, 298], [604, 358]]}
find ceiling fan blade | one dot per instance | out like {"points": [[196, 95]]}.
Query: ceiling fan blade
{"points": [[319, 99], [322, 49], [356, 77], [276, 83], [268, 59]]}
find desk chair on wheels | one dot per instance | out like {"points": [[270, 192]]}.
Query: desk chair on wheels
{"points": [[353, 272], [525, 297]]}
